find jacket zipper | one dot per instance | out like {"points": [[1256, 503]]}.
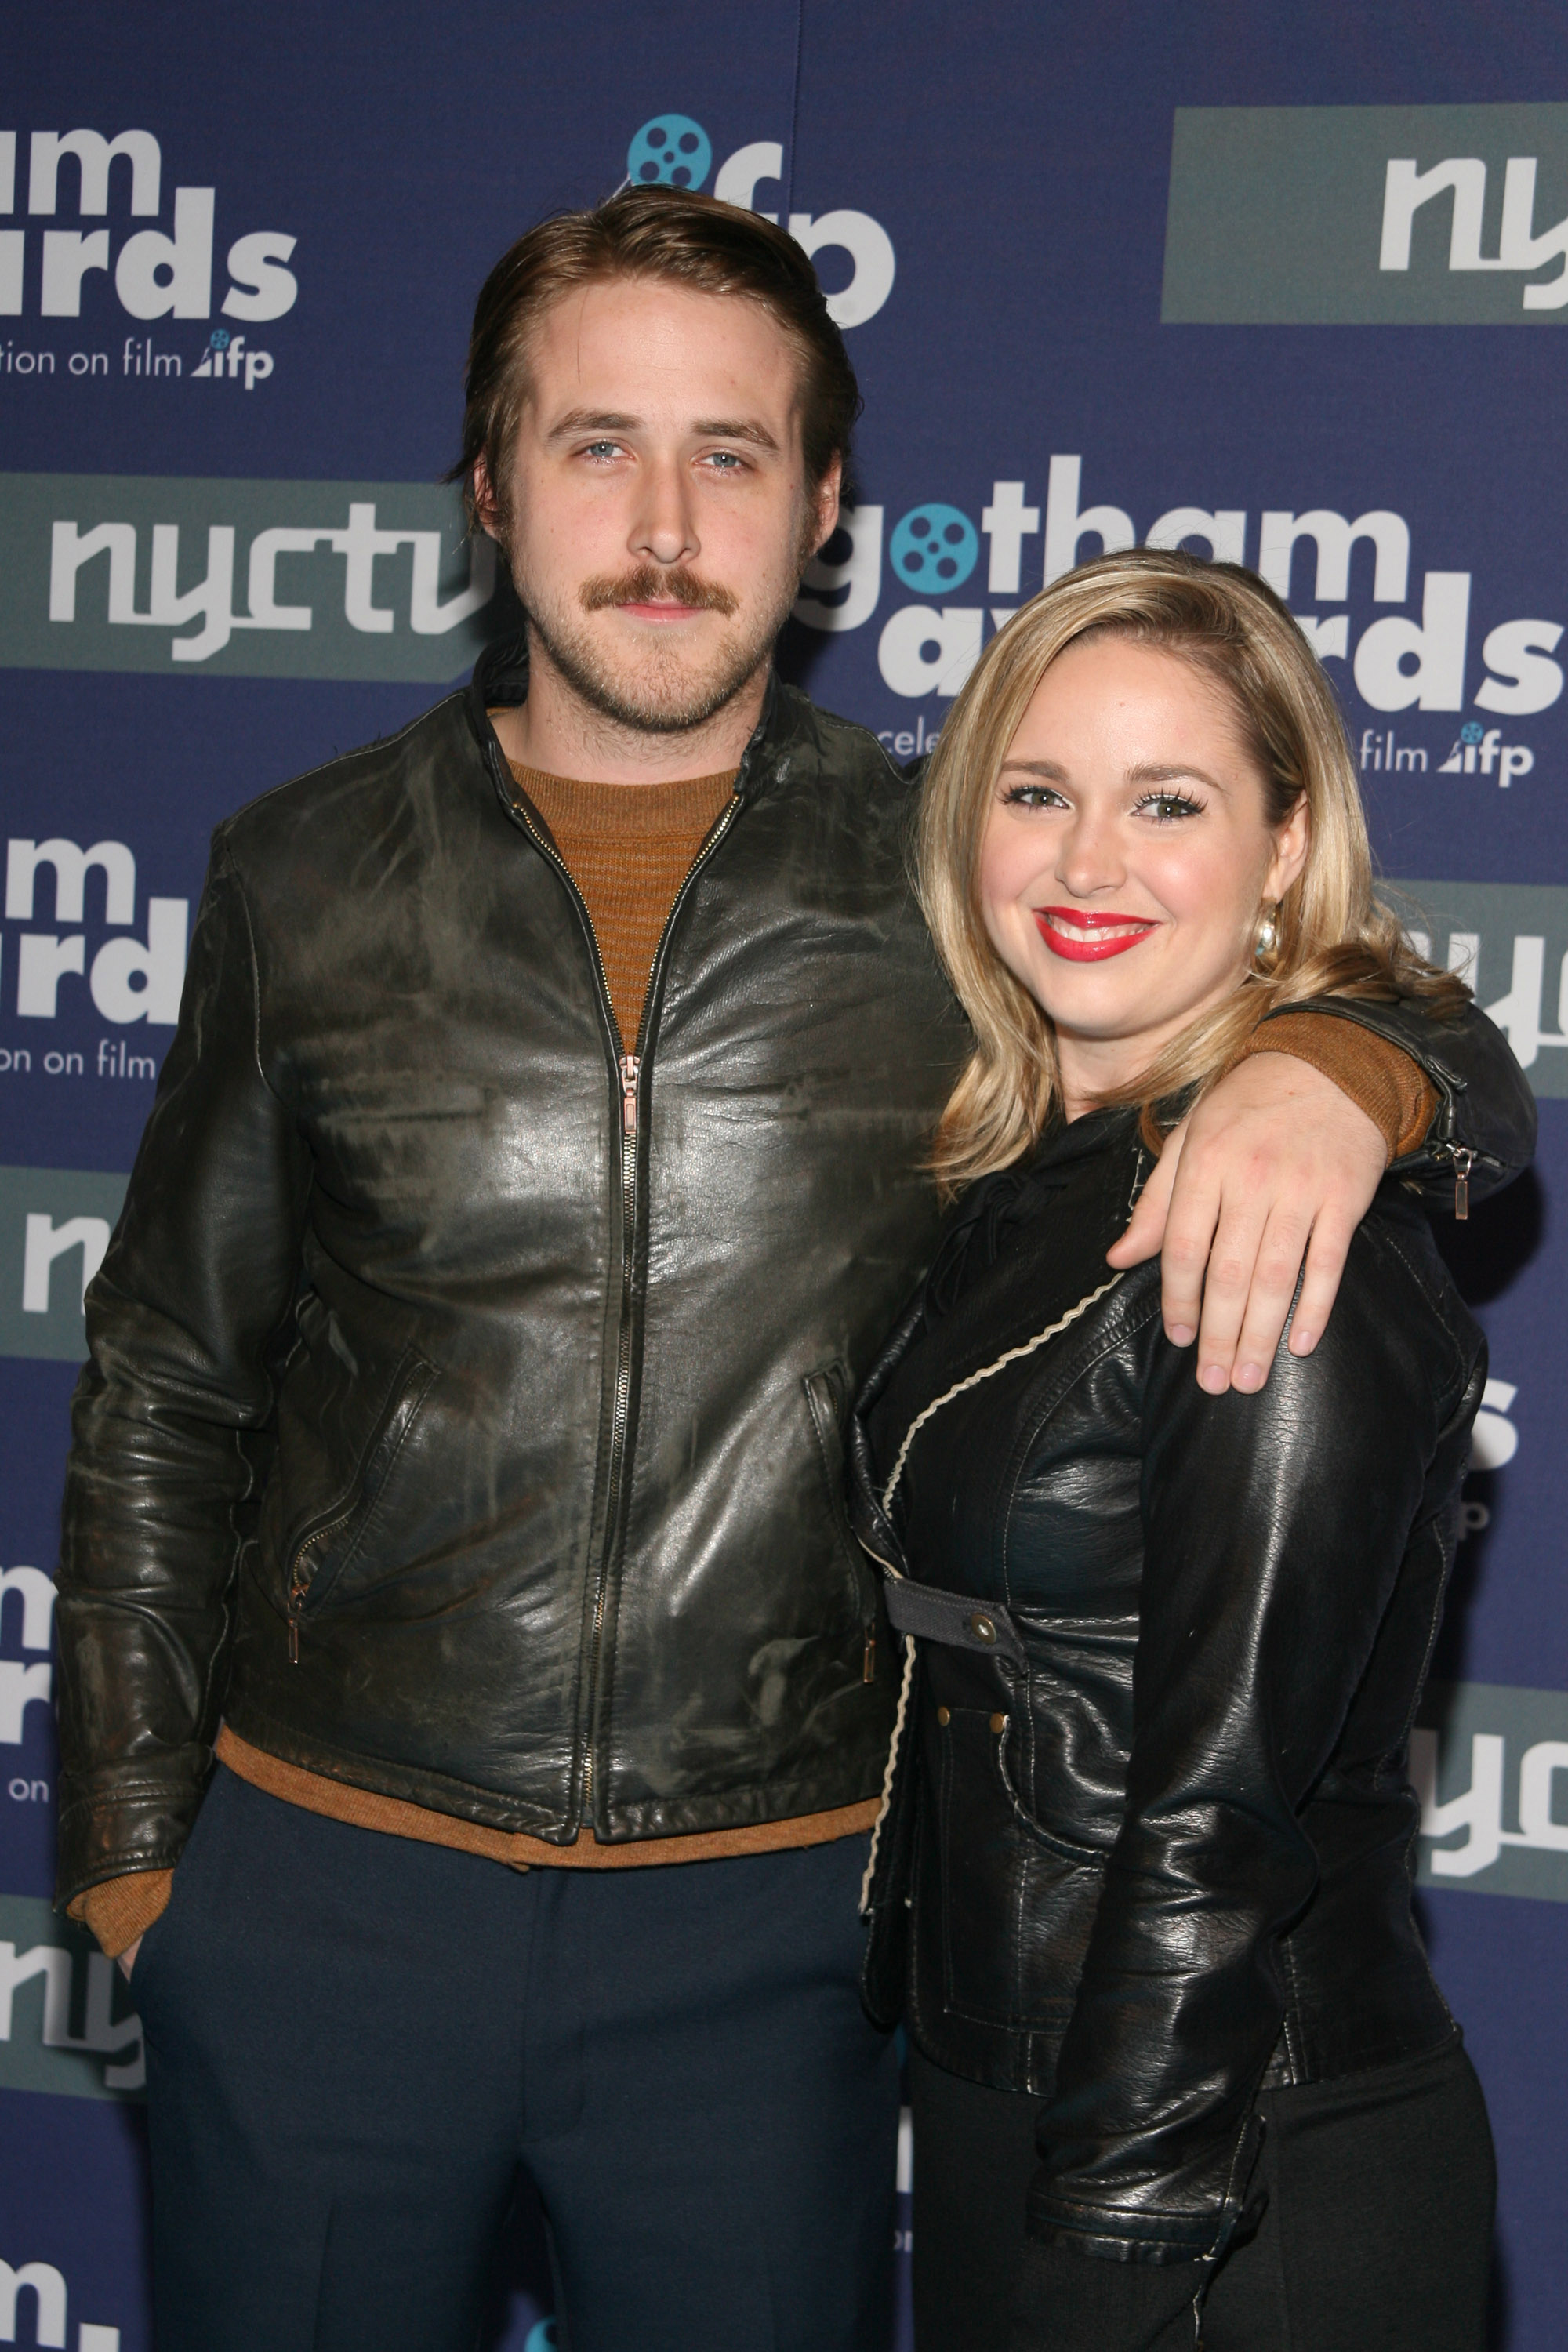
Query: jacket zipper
{"points": [[1462, 1161], [629, 1068], [300, 1579], [1460, 1156]]}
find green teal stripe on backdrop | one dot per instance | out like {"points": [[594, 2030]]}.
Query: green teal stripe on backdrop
{"points": [[55, 1224], [1510, 942], [1368, 215], [1486, 1760], [67, 2025], [241, 579]]}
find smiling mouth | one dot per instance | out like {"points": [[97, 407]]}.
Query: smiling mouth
{"points": [[1090, 939]]}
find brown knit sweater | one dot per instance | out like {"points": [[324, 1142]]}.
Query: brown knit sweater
{"points": [[628, 849]]}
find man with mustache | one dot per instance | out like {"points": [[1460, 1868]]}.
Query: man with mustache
{"points": [[536, 1166]]}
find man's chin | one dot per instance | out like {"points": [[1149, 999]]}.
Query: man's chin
{"points": [[662, 689]]}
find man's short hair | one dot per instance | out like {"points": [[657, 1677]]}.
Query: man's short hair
{"points": [[651, 233]]}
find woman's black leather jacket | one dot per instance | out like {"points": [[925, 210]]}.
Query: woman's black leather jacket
{"points": [[1148, 1846]]}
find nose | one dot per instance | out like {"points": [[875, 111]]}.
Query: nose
{"points": [[664, 525], [1090, 857]]}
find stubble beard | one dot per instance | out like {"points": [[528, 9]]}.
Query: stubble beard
{"points": [[660, 689]]}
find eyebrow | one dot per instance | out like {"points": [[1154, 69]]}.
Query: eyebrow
{"points": [[724, 428], [1148, 773], [707, 428], [592, 420]]}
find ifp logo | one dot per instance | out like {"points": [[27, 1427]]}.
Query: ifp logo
{"points": [[671, 151]]}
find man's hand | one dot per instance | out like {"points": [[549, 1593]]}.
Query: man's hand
{"points": [[1275, 1163], [128, 1958]]}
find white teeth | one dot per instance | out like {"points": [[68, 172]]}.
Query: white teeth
{"points": [[1095, 931]]}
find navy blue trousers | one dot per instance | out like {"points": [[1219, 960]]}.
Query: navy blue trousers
{"points": [[355, 2043]]}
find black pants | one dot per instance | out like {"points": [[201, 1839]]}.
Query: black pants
{"points": [[1376, 2238], [354, 2041]]}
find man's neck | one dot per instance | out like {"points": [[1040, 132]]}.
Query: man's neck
{"points": [[556, 732]]}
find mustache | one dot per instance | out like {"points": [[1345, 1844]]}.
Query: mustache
{"points": [[648, 584]]}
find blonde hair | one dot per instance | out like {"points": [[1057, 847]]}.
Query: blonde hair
{"points": [[1334, 936]]}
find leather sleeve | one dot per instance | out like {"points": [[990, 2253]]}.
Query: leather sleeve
{"points": [[170, 1419], [1485, 1106], [1274, 1529]]}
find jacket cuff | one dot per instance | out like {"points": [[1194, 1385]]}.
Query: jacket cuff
{"points": [[121, 1910], [1132, 2240], [1378, 1075], [126, 1818]]}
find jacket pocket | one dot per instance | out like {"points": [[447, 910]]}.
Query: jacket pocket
{"points": [[1013, 1897], [328, 1546], [827, 1401]]}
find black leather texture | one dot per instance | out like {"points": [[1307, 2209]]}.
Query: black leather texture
{"points": [[523, 1431], [546, 1419], [1164, 1858]]}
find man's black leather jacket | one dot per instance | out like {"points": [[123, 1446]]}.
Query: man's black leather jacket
{"points": [[1149, 1847], [504, 1387]]}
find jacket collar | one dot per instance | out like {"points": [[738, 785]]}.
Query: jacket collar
{"points": [[501, 676]]}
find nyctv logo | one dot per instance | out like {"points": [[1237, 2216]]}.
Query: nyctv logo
{"points": [[1508, 942], [1399, 662], [157, 273], [1362, 216], [261, 579], [66, 2021], [55, 1227], [1462, 179], [1490, 1764]]}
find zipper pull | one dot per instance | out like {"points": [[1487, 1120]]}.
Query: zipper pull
{"points": [[868, 1670], [1464, 1161], [297, 1587], [629, 1067]]}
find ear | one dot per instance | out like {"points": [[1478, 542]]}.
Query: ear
{"points": [[1291, 842], [827, 504], [485, 508]]}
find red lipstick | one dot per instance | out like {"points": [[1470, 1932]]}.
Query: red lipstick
{"points": [[1089, 939]]}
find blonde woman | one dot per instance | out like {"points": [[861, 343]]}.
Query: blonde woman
{"points": [[1142, 1888]]}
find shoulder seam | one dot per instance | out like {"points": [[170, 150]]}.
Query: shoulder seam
{"points": [[338, 760], [854, 726]]}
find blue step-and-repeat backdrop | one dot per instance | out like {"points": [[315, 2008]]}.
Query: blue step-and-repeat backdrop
{"points": [[1272, 282]]}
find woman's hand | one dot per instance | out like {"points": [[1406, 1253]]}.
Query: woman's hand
{"points": [[1276, 1164]]}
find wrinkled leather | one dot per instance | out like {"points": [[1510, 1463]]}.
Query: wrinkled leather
{"points": [[1149, 1846], [368, 1287], [373, 1296]]}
